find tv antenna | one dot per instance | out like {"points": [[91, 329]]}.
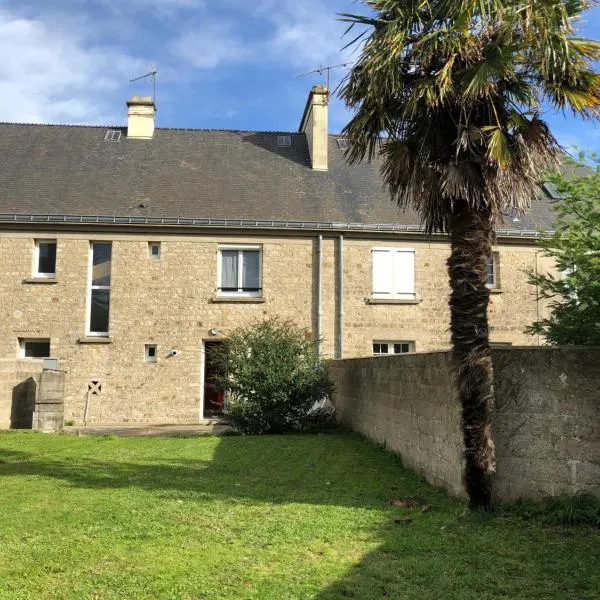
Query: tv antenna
{"points": [[327, 70], [152, 75]]}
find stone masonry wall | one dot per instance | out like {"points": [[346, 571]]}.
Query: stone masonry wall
{"points": [[546, 425], [169, 302]]}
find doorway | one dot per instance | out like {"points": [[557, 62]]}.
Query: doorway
{"points": [[214, 398]]}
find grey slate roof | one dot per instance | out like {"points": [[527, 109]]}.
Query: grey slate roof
{"points": [[71, 170]]}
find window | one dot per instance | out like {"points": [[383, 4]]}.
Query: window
{"points": [[34, 348], [342, 144], [112, 135], [385, 348], [151, 353], [44, 260], [394, 273], [99, 288], [284, 141], [493, 271], [240, 270], [154, 250]]}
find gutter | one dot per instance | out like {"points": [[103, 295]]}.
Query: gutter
{"points": [[319, 293], [12, 218], [340, 352]]}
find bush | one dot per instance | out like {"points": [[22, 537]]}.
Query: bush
{"points": [[273, 377]]}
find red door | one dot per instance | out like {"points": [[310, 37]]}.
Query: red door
{"points": [[214, 398]]}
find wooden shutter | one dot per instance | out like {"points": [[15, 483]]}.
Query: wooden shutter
{"points": [[382, 273], [404, 274]]}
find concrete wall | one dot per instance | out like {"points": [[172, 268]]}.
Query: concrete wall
{"points": [[170, 303], [546, 425]]}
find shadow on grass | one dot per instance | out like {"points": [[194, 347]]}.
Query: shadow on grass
{"points": [[440, 553]]}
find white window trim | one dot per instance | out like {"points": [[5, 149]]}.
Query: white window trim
{"points": [[393, 295], [23, 341], [36, 260], [390, 343], [240, 248], [88, 312], [496, 263]]}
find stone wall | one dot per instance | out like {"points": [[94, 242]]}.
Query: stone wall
{"points": [[170, 303], [546, 426]]}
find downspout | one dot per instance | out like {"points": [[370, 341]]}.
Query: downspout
{"points": [[319, 294], [341, 297], [537, 295]]}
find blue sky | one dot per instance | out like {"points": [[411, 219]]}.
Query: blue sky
{"points": [[226, 64]]}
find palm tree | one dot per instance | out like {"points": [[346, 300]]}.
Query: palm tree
{"points": [[450, 93]]}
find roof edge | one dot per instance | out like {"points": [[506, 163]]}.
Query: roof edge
{"points": [[21, 218]]}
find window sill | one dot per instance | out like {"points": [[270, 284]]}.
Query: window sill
{"points": [[95, 340], [42, 280], [240, 299], [496, 290], [392, 301]]}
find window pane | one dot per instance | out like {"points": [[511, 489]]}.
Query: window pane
{"points": [[99, 311], [397, 348], [491, 272], [47, 257], [101, 254], [37, 349], [229, 270], [251, 271]]}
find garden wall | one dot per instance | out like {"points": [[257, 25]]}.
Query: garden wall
{"points": [[546, 424]]}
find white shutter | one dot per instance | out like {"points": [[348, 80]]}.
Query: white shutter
{"points": [[382, 273], [404, 274]]}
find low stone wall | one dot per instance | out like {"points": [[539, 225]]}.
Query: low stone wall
{"points": [[31, 398], [546, 423], [15, 376]]}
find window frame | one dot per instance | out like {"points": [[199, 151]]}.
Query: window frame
{"points": [[22, 349], [154, 256], [147, 357], [495, 258], [391, 343], [240, 248], [394, 295], [36, 259], [90, 288]]}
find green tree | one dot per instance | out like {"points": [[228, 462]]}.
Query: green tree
{"points": [[273, 377], [574, 294], [449, 92]]}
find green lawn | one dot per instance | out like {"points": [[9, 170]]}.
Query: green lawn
{"points": [[273, 517]]}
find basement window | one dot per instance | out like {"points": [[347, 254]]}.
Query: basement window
{"points": [[284, 141], [387, 348], [112, 135], [34, 347]]}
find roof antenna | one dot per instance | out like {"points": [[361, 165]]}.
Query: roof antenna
{"points": [[152, 73], [326, 70]]}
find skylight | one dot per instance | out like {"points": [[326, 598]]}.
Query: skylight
{"points": [[112, 135], [284, 141], [342, 144]]}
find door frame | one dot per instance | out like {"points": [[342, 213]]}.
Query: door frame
{"points": [[201, 415]]}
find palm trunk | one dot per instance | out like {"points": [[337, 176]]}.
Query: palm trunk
{"points": [[471, 234]]}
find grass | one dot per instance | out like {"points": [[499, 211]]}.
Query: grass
{"points": [[288, 517]]}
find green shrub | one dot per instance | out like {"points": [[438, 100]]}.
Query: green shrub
{"points": [[272, 376]]}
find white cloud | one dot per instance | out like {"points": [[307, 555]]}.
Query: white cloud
{"points": [[49, 74], [210, 45]]}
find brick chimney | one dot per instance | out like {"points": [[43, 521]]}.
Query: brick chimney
{"points": [[315, 124], [140, 117]]}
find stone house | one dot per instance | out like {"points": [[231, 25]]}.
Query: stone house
{"points": [[127, 251]]}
